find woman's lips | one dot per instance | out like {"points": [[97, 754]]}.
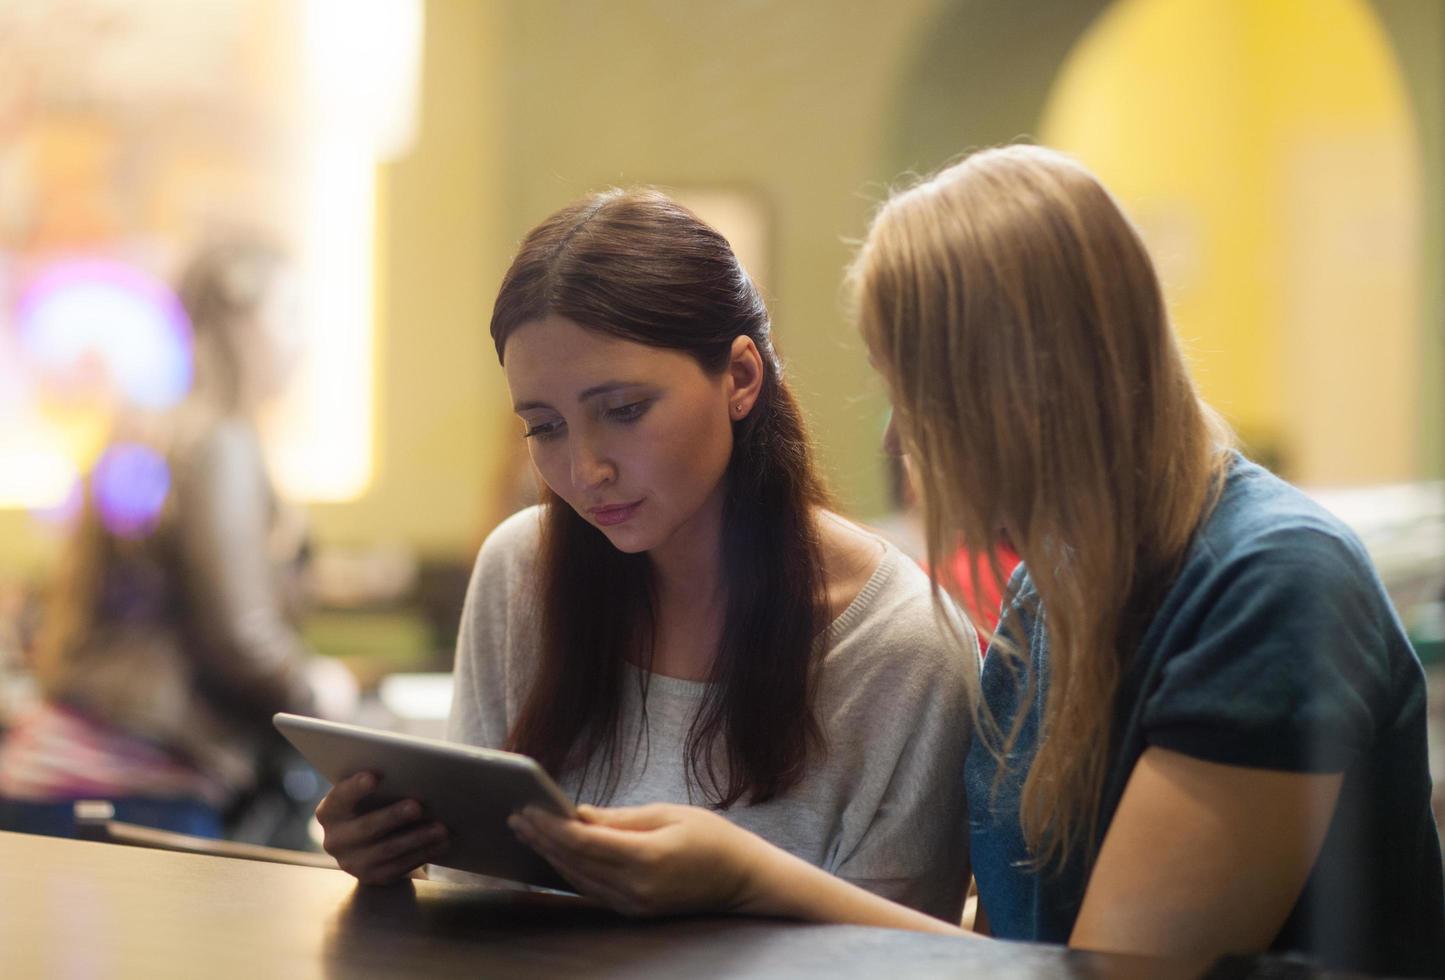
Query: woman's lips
{"points": [[614, 514]]}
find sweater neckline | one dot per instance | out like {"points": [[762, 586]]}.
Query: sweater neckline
{"points": [[835, 631]]}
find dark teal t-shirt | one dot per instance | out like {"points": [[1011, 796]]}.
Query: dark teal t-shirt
{"points": [[1276, 648]]}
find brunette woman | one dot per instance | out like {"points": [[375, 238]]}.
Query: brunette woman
{"points": [[683, 619]]}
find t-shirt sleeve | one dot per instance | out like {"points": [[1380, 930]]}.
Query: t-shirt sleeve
{"points": [[1286, 664]]}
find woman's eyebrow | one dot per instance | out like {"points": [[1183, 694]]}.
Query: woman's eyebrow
{"points": [[605, 388]]}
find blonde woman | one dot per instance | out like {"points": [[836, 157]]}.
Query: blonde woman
{"points": [[1221, 746]]}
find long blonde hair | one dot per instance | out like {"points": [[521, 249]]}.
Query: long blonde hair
{"points": [[1017, 318]]}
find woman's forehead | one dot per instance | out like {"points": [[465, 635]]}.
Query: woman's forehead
{"points": [[568, 359]]}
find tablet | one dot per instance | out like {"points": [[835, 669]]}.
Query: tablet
{"points": [[470, 790]]}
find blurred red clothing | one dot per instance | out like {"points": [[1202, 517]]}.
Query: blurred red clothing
{"points": [[990, 593]]}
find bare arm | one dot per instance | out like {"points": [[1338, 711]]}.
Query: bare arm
{"points": [[1200, 858], [1204, 858], [790, 887]]}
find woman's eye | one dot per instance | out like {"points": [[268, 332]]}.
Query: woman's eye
{"points": [[629, 413], [543, 431]]}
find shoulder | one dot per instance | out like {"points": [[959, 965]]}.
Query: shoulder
{"points": [[1258, 512], [513, 543], [219, 481], [1278, 645], [521, 531], [900, 671], [896, 626], [849, 554], [505, 562], [1265, 534]]}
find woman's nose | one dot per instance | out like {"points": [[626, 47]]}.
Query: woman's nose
{"points": [[590, 468]]}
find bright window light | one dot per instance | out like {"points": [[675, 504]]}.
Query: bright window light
{"points": [[361, 70]]}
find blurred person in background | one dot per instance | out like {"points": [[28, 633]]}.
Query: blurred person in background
{"points": [[168, 638], [683, 618]]}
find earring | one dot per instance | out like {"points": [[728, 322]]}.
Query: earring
{"points": [[738, 409]]}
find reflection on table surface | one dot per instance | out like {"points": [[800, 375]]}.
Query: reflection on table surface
{"points": [[83, 909]]}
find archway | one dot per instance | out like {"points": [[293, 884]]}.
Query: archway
{"points": [[1270, 155]]}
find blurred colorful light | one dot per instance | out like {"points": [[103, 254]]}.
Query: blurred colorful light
{"points": [[81, 311], [129, 484]]}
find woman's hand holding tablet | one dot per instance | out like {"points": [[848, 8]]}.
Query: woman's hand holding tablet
{"points": [[399, 802], [380, 846]]}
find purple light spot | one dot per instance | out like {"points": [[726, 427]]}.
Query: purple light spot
{"points": [[130, 483], [135, 325]]}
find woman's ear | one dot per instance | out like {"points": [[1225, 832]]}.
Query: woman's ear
{"points": [[744, 377]]}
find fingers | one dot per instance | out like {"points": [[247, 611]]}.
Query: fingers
{"points": [[388, 820], [394, 856], [646, 860], [608, 883], [558, 841], [359, 831], [650, 817], [599, 844], [380, 846], [398, 856], [583, 876], [337, 812], [340, 803]]}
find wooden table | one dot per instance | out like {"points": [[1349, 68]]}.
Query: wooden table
{"points": [[77, 909]]}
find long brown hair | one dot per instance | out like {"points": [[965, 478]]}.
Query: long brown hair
{"points": [[1018, 320], [638, 266]]}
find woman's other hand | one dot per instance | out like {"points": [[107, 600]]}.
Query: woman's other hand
{"points": [[664, 858], [381, 846], [650, 860]]}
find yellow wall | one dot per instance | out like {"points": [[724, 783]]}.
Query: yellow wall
{"points": [[1268, 152]]}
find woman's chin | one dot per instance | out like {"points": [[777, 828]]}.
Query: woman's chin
{"points": [[626, 540]]}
